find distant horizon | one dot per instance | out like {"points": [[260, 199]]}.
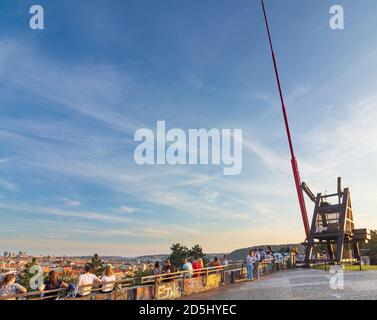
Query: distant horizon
{"points": [[264, 246]]}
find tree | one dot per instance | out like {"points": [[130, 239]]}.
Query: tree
{"points": [[178, 253], [370, 248], [283, 249], [196, 252], [26, 275], [97, 265]]}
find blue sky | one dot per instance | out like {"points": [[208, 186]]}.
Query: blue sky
{"points": [[73, 95]]}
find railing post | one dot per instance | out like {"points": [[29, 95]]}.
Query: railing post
{"points": [[156, 282], [184, 282]]}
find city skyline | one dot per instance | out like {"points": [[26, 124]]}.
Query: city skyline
{"points": [[73, 95]]}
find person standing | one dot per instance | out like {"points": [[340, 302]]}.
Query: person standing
{"points": [[168, 267], [157, 269], [187, 266], [215, 263], [262, 254], [197, 266], [257, 258], [249, 265], [225, 261]]}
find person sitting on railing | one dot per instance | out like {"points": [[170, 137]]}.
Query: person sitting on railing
{"points": [[9, 287], [157, 269], [187, 266], [215, 263], [85, 282], [108, 280], [249, 265], [197, 265], [52, 283]]}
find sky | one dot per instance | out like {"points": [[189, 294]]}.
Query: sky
{"points": [[73, 95]]}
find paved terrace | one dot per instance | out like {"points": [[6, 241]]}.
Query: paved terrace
{"points": [[297, 284]]}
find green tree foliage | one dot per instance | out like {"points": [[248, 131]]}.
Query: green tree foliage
{"points": [[196, 252], [68, 277], [371, 247], [178, 253], [97, 265], [284, 249], [139, 274], [25, 275]]}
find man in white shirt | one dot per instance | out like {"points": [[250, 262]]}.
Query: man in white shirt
{"points": [[187, 266], [85, 282]]}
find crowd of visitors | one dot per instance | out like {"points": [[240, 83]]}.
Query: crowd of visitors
{"points": [[190, 265], [50, 287], [254, 258], [106, 283]]}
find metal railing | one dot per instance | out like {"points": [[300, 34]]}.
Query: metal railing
{"points": [[140, 281]]}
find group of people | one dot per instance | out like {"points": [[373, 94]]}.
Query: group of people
{"points": [[192, 266], [50, 287], [254, 258], [83, 287], [87, 279]]}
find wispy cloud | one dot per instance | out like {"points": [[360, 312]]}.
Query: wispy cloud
{"points": [[5, 160], [8, 185], [55, 211], [71, 202], [93, 91], [127, 209]]}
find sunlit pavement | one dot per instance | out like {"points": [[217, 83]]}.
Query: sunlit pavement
{"points": [[299, 284]]}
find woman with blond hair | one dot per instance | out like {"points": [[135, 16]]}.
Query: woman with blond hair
{"points": [[108, 280]]}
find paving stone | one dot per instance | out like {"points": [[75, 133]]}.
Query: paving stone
{"points": [[299, 284]]}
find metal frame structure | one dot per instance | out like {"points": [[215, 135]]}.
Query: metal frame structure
{"points": [[334, 225], [331, 224]]}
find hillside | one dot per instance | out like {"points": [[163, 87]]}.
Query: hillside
{"points": [[241, 254]]}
